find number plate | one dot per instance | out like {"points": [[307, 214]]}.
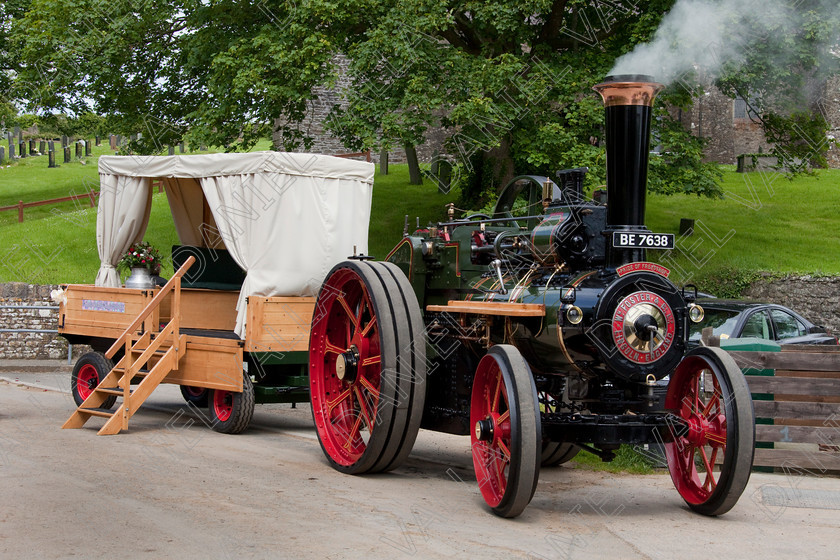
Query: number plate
{"points": [[638, 240]]}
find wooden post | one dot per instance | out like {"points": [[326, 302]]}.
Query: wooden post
{"points": [[414, 177], [52, 155], [92, 196], [20, 211], [67, 157], [383, 162]]}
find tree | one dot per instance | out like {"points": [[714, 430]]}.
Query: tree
{"points": [[510, 81]]}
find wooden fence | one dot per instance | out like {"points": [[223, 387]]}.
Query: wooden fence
{"points": [[796, 394], [92, 195]]}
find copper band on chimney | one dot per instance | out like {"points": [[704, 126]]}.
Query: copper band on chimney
{"points": [[616, 91]]}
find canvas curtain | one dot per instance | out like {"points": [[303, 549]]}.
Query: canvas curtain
{"points": [[186, 202], [287, 231], [121, 219]]}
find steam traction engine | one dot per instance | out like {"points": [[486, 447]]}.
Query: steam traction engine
{"points": [[545, 331]]}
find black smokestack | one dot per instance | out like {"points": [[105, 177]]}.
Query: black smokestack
{"points": [[628, 102]]}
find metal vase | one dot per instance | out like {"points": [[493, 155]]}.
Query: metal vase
{"points": [[140, 279]]}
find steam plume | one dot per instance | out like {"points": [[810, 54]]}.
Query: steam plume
{"points": [[708, 34]]}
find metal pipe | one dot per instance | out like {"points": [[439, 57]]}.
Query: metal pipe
{"points": [[28, 307]]}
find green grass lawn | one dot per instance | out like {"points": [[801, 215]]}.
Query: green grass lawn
{"points": [[765, 223], [58, 244]]}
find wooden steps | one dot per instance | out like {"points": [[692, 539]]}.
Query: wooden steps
{"points": [[148, 356]]}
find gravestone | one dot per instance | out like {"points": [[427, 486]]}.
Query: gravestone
{"points": [[181, 147], [171, 150], [383, 162], [98, 140], [52, 155], [11, 150], [113, 142], [2, 154], [78, 149], [67, 157], [42, 146], [87, 148], [32, 150], [64, 141], [414, 176], [22, 149]]}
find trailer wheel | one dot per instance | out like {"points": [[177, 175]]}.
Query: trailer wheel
{"points": [[90, 369], [367, 367], [555, 454], [712, 443], [231, 412], [506, 437], [198, 396]]}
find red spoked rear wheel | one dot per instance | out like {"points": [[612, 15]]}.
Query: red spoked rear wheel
{"points": [[507, 436], [712, 440], [367, 367]]}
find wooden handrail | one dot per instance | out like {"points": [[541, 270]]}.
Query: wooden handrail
{"points": [[151, 306]]}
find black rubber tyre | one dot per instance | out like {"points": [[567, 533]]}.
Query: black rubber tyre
{"points": [[507, 435], [231, 412], [713, 416], [555, 454], [198, 396], [89, 371], [367, 367]]}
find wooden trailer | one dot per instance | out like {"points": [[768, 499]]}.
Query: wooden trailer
{"points": [[258, 232]]}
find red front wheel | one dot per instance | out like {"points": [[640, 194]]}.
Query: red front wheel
{"points": [[507, 435], [89, 371], [713, 433]]}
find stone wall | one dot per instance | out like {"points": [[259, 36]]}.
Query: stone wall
{"points": [[830, 103], [324, 142], [29, 345], [816, 299]]}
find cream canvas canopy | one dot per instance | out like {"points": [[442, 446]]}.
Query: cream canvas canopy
{"points": [[285, 218]]}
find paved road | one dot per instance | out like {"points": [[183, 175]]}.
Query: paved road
{"points": [[171, 487]]}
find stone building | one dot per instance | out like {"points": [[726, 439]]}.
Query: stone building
{"points": [[731, 131]]}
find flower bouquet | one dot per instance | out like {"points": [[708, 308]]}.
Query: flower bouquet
{"points": [[143, 261], [141, 255]]}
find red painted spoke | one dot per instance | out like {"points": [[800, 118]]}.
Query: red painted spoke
{"points": [[365, 382], [706, 463], [499, 465], [370, 325], [714, 455], [718, 438], [330, 347], [502, 418], [334, 403], [505, 450], [370, 360], [363, 408], [350, 314], [497, 392], [354, 432], [713, 404]]}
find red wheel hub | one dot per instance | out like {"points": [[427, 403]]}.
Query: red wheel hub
{"points": [[491, 438], [345, 367], [699, 434], [223, 405], [86, 381]]}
